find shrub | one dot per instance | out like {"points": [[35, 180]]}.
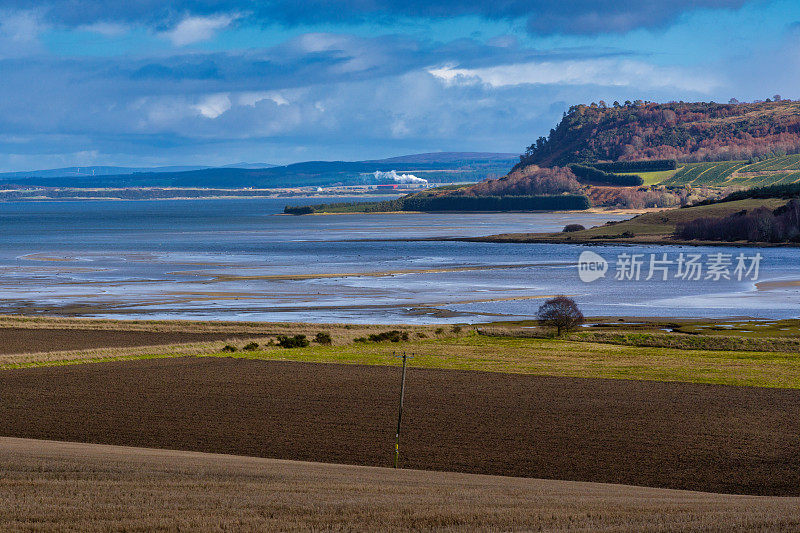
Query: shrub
{"points": [[298, 341], [323, 338], [229, 349], [392, 336], [456, 329], [250, 347], [439, 331], [573, 227]]}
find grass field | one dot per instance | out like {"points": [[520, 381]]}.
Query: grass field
{"points": [[550, 357], [654, 177], [43, 480], [619, 352]]}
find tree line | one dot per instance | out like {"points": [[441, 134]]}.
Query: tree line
{"points": [[758, 225], [789, 190], [651, 165], [595, 176], [562, 202], [700, 131]]}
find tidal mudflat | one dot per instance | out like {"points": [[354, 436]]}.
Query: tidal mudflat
{"points": [[240, 260]]}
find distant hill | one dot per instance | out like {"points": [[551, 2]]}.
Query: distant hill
{"points": [[446, 167], [450, 157], [683, 131], [92, 171], [248, 165]]}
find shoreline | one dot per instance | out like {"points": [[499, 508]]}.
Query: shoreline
{"points": [[591, 211], [27, 321], [182, 198], [550, 238]]}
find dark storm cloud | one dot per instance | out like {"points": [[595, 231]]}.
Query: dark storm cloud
{"points": [[543, 16]]}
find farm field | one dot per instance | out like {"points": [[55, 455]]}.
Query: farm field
{"points": [[42, 480], [653, 177], [743, 353], [19, 340], [671, 435], [771, 171]]}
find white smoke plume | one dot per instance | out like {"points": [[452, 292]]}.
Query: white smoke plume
{"points": [[392, 175]]}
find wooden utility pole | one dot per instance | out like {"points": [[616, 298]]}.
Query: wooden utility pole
{"points": [[400, 415]]}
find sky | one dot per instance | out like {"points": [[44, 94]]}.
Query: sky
{"points": [[215, 82]]}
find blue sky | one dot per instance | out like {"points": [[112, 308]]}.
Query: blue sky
{"points": [[212, 82]]}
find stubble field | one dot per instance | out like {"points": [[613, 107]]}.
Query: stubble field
{"points": [[86, 487]]}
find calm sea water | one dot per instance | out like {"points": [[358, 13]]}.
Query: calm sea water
{"points": [[239, 260]]}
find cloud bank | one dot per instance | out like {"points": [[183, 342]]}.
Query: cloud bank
{"points": [[211, 82], [541, 16]]}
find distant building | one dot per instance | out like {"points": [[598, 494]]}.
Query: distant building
{"points": [[392, 186]]}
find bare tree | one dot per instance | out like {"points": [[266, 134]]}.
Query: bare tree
{"points": [[561, 313]]}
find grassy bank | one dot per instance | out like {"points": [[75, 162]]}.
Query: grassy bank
{"points": [[584, 355], [648, 228]]}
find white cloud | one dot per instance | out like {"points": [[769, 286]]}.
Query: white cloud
{"points": [[20, 26], [106, 29], [606, 72], [213, 105], [19, 32], [195, 29], [321, 42], [252, 98]]}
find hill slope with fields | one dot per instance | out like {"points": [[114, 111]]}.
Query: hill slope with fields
{"points": [[778, 170]]}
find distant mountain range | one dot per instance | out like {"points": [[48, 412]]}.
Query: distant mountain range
{"points": [[440, 167], [114, 171]]}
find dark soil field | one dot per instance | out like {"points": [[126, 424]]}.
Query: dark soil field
{"points": [[675, 435], [24, 340]]}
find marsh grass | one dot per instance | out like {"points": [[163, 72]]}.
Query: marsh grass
{"points": [[695, 341]]}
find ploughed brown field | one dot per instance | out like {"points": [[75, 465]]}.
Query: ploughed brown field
{"points": [[26, 340], [62, 486], [674, 435]]}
